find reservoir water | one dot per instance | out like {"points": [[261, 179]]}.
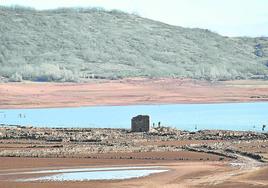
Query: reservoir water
{"points": [[228, 116]]}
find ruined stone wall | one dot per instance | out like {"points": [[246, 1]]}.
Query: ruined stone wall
{"points": [[140, 123]]}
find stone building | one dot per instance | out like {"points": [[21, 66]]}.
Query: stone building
{"points": [[140, 123]]}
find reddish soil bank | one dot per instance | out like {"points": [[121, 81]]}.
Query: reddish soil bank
{"points": [[129, 91]]}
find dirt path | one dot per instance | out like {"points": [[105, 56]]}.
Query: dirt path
{"points": [[240, 175]]}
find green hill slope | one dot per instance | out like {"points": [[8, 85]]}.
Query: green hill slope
{"points": [[80, 44]]}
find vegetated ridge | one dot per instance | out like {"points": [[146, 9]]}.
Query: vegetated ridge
{"points": [[80, 44]]}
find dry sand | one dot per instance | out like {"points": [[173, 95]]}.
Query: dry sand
{"points": [[129, 91]]}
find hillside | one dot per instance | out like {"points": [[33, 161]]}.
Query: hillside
{"points": [[81, 44]]}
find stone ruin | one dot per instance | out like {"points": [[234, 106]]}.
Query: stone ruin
{"points": [[140, 123]]}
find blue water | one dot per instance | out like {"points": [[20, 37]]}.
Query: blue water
{"points": [[231, 116], [97, 175]]}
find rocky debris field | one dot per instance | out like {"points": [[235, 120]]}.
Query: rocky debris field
{"points": [[21, 141]]}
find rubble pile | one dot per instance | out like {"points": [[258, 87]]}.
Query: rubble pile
{"points": [[83, 142]]}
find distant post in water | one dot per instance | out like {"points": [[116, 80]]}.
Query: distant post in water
{"points": [[263, 127]]}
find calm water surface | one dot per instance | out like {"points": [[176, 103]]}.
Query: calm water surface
{"points": [[87, 174], [103, 175], [232, 116]]}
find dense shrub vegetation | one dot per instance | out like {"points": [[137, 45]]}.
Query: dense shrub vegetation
{"points": [[79, 44]]}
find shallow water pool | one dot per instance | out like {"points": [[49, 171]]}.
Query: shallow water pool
{"points": [[88, 174]]}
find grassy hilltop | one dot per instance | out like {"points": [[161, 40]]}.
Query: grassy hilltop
{"points": [[80, 44]]}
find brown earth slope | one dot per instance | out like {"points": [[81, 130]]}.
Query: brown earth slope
{"points": [[129, 91]]}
